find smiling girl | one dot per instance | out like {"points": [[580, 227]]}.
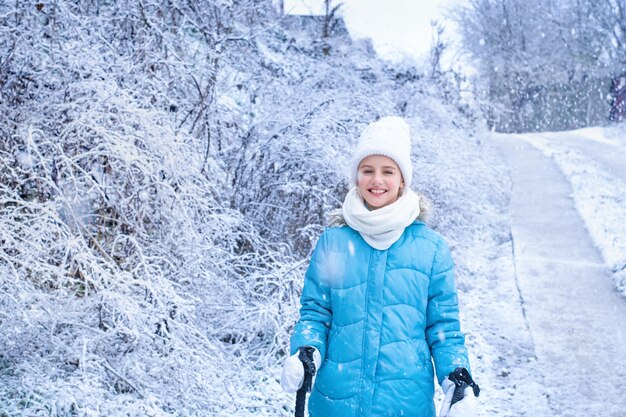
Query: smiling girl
{"points": [[379, 303]]}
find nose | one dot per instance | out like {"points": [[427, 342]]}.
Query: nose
{"points": [[378, 178]]}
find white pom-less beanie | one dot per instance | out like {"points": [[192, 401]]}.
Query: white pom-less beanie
{"points": [[390, 137]]}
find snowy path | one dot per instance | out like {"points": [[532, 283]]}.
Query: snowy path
{"points": [[575, 316]]}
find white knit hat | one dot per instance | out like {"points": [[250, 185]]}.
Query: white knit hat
{"points": [[390, 137]]}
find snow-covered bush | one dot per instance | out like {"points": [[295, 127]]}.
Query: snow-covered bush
{"points": [[128, 284]]}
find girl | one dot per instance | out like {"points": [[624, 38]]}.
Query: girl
{"points": [[379, 303]]}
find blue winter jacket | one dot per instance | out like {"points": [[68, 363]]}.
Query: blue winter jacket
{"points": [[377, 318]]}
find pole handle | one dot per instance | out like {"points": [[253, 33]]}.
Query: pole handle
{"points": [[305, 354], [462, 379]]}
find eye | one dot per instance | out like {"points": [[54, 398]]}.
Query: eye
{"points": [[366, 171], [389, 172]]}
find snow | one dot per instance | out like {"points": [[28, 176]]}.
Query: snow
{"points": [[151, 254], [567, 292], [598, 186]]}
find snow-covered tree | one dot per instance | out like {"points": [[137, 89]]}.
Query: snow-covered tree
{"points": [[542, 64]]}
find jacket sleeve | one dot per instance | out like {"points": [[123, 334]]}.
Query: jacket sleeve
{"points": [[443, 329], [315, 311]]}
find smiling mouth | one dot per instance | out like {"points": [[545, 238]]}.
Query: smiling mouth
{"points": [[377, 192]]}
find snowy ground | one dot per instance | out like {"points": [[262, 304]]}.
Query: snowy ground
{"points": [[594, 162], [569, 300]]}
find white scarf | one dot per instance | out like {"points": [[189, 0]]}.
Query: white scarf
{"points": [[382, 227]]}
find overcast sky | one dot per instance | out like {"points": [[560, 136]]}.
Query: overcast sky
{"points": [[396, 27]]}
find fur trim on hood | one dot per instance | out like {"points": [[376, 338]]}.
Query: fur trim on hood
{"points": [[335, 217]]}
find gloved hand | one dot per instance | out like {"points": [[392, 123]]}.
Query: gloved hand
{"points": [[292, 376], [466, 406]]}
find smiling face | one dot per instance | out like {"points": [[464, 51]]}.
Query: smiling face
{"points": [[379, 180]]}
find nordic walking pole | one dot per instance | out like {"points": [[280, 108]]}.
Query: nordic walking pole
{"points": [[462, 380], [305, 354]]}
